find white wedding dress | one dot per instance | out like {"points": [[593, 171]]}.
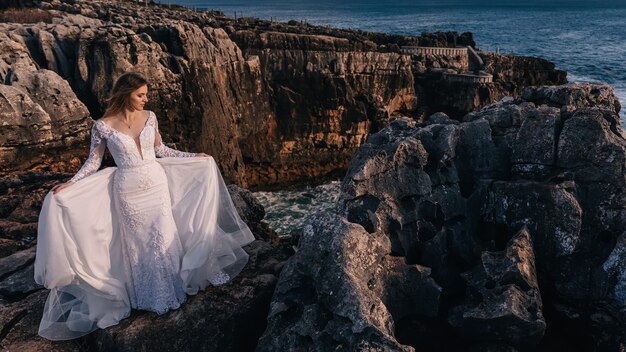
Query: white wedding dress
{"points": [[141, 235]]}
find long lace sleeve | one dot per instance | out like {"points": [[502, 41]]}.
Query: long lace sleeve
{"points": [[96, 153], [161, 150]]}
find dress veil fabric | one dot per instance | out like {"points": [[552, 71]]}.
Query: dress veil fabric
{"points": [[142, 235]]}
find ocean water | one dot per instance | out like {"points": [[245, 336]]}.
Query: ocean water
{"points": [[286, 211], [585, 38]]}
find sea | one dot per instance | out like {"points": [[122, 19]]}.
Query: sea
{"points": [[586, 38]]}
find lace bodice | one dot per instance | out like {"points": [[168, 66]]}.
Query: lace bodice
{"points": [[124, 149]]}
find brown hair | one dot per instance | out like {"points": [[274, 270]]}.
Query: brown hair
{"points": [[120, 94]]}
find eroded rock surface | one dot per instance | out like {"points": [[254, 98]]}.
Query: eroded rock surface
{"points": [[518, 212], [342, 290]]}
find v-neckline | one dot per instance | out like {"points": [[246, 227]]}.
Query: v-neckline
{"points": [[139, 147]]}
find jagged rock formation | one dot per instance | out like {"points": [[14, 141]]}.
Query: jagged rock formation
{"points": [[272, 102], [503, 300], [519, 212], [43, 120], [214, 320], [341, 289]]}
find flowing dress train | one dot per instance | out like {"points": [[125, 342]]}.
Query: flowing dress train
{"points": [[141, 235]]}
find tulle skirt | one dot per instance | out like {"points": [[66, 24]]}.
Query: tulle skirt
{"points": [[115, 239]]}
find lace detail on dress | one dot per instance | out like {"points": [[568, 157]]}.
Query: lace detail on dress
{"points": [[145, 181], [161, 150], [164, 151], [166, 205], [155, 273], [124, 149], [133, 217], [219, 279], [96, 153]]}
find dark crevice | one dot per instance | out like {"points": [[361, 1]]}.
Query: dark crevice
{"points": [[557, 135], [498, 234], [16, 269], [96, 60], [9, 325], [427, 334]]}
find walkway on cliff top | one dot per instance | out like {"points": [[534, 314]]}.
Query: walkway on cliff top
{"points": [[453, 52]]}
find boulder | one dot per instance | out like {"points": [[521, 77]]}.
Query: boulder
{"points": [[342, 290], [16, 261], [504, 302], [575, 96]]}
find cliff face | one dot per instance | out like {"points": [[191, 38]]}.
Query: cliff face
{"points": [[272, 102], [43, 121], [205, 94], [504, 232], [327, 98]]}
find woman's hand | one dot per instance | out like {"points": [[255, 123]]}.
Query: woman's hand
{"points": [[201, 155], [56, 189]]}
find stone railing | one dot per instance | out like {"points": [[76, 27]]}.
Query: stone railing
{"points": [[416, 50], [467, 78]]}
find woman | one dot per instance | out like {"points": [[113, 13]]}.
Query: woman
{"points": [[142, 235]]}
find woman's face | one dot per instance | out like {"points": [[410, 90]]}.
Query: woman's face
{"points": [[139, 98]]}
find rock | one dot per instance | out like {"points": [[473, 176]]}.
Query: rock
{"points": [[445, 193], [353, 86], [16, 261], [19, 322], [410, 291], [19, 284], [21, 196], [25, 122], [504, 117], [16, 230], [492, 347], [441, 118], [48, 122], [19, 3], [574, 95], [506, 293], [591, 145], [511, 74], [248, 207], [7, 247], [69, 117], [509, 205], [222, 318], [252, 213], [534, 150], [614, 265], [342, 290]]}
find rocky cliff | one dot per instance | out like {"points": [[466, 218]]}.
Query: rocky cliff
{"points": [[503, 232], [272, 102]]}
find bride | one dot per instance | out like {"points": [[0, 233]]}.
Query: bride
{"points": [[141, 235]]}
